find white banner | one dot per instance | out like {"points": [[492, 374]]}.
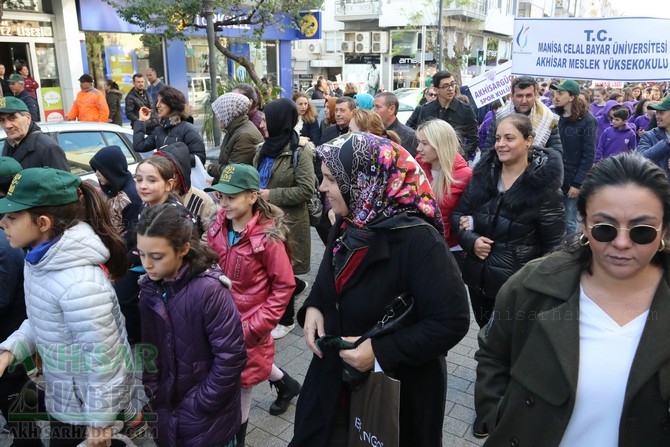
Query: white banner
{"points": [[492, 85], [609, 49]]}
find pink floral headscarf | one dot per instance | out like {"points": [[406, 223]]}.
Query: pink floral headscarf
{"points": [[378, 178]]}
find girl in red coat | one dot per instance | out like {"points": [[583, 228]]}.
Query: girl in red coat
{"points": [[447, 171], [251, 241]]}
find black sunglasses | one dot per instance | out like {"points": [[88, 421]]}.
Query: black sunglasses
{"points": [[640, 234]]}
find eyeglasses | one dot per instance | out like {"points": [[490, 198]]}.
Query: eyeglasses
{"points": [[640, 234], [448, 86], [432, 95]]}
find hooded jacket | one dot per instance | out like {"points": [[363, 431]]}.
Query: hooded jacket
{"points": [[603, 119], [196, 201], [37, 150], [113, 165], [75, 323], [194, 388], [262, 284], [525, 222]]}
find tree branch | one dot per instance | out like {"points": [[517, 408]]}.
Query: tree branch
{"points": [[243, 61]]}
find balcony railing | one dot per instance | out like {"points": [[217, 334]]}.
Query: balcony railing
{"points": [[468, 11], [357, 9]]}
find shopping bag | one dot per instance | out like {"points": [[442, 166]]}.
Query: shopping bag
{"points": [[375, 412]]}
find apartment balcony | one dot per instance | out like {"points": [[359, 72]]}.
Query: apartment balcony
{"points": [[564, 8], [349, 10], [467, 12]]}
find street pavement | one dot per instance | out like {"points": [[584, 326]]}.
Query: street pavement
{"points": [[293, 356]]}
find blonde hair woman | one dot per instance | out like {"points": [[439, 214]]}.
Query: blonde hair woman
{"points": [[438, 153]]}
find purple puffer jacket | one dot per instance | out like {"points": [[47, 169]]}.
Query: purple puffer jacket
{"points": [[193, 357]]}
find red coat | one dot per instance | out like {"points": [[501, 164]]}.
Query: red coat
{"points": [[462, 173], [263, 283]]}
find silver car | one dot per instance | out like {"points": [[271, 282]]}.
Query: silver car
{"points": [[82, 140]]}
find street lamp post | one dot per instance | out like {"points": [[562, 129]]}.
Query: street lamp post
{"points": [[208, 12], [438, 64]]}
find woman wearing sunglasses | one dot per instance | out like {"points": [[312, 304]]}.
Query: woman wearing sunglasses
{"points": [[577, 352]]}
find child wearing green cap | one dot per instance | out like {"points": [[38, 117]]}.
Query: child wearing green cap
{"points": [[74, 320], [251, 233]]}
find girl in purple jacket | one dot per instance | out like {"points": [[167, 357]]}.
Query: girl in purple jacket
{"points": [[195, 350]]}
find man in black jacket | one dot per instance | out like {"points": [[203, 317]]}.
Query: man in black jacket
{"points": [[344, 111], [386, 105], [25, 141], [461, 117], [137, 98]]}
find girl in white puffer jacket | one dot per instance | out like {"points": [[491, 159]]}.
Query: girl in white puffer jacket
{"points": [[74, 320]]}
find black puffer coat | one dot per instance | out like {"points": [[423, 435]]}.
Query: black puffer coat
{"points": [[525, 222]]}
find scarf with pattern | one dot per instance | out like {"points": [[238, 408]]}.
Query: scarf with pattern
{"points": [[541, 116], [229, 106], [379, 180]]}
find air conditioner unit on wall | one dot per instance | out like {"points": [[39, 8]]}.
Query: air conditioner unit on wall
{"points": [[362, 42], [315, 47], [348, 46], [380, 41]]}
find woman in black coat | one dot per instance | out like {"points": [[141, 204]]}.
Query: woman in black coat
{"points": [[174, 127], [387, 240], [511, 212]]}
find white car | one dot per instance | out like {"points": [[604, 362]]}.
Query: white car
{"points": [[408, 98], [81, 141]]}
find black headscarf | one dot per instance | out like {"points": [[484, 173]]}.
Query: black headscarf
{"points": [[281, 116]]}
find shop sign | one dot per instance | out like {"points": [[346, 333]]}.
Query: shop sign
{"points": [[21, 29]]}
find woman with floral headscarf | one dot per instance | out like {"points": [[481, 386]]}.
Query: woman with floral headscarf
{"points": [[388, 239], [242, 137]]}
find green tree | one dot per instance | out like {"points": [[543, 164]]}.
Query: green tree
{"points": [[173, 19], [456, 37]]}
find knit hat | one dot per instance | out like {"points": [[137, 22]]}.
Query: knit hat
{"points": [[229, 106]]}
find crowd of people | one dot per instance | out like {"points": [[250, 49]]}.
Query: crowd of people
{"points": [[545, 218]]}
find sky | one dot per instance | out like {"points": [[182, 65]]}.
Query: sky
{"points": [[642, 8]]}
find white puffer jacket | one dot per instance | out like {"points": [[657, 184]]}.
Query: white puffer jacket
{"points": [[75, 323]]}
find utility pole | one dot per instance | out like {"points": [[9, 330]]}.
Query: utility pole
{"points": [[208, 12], [438, 64]]}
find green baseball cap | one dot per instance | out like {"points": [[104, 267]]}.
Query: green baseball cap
{"points": [[9, 167], [16, 78], [663, 105], [35, 187], [237, 178], [12, 104], [569, 86]]}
